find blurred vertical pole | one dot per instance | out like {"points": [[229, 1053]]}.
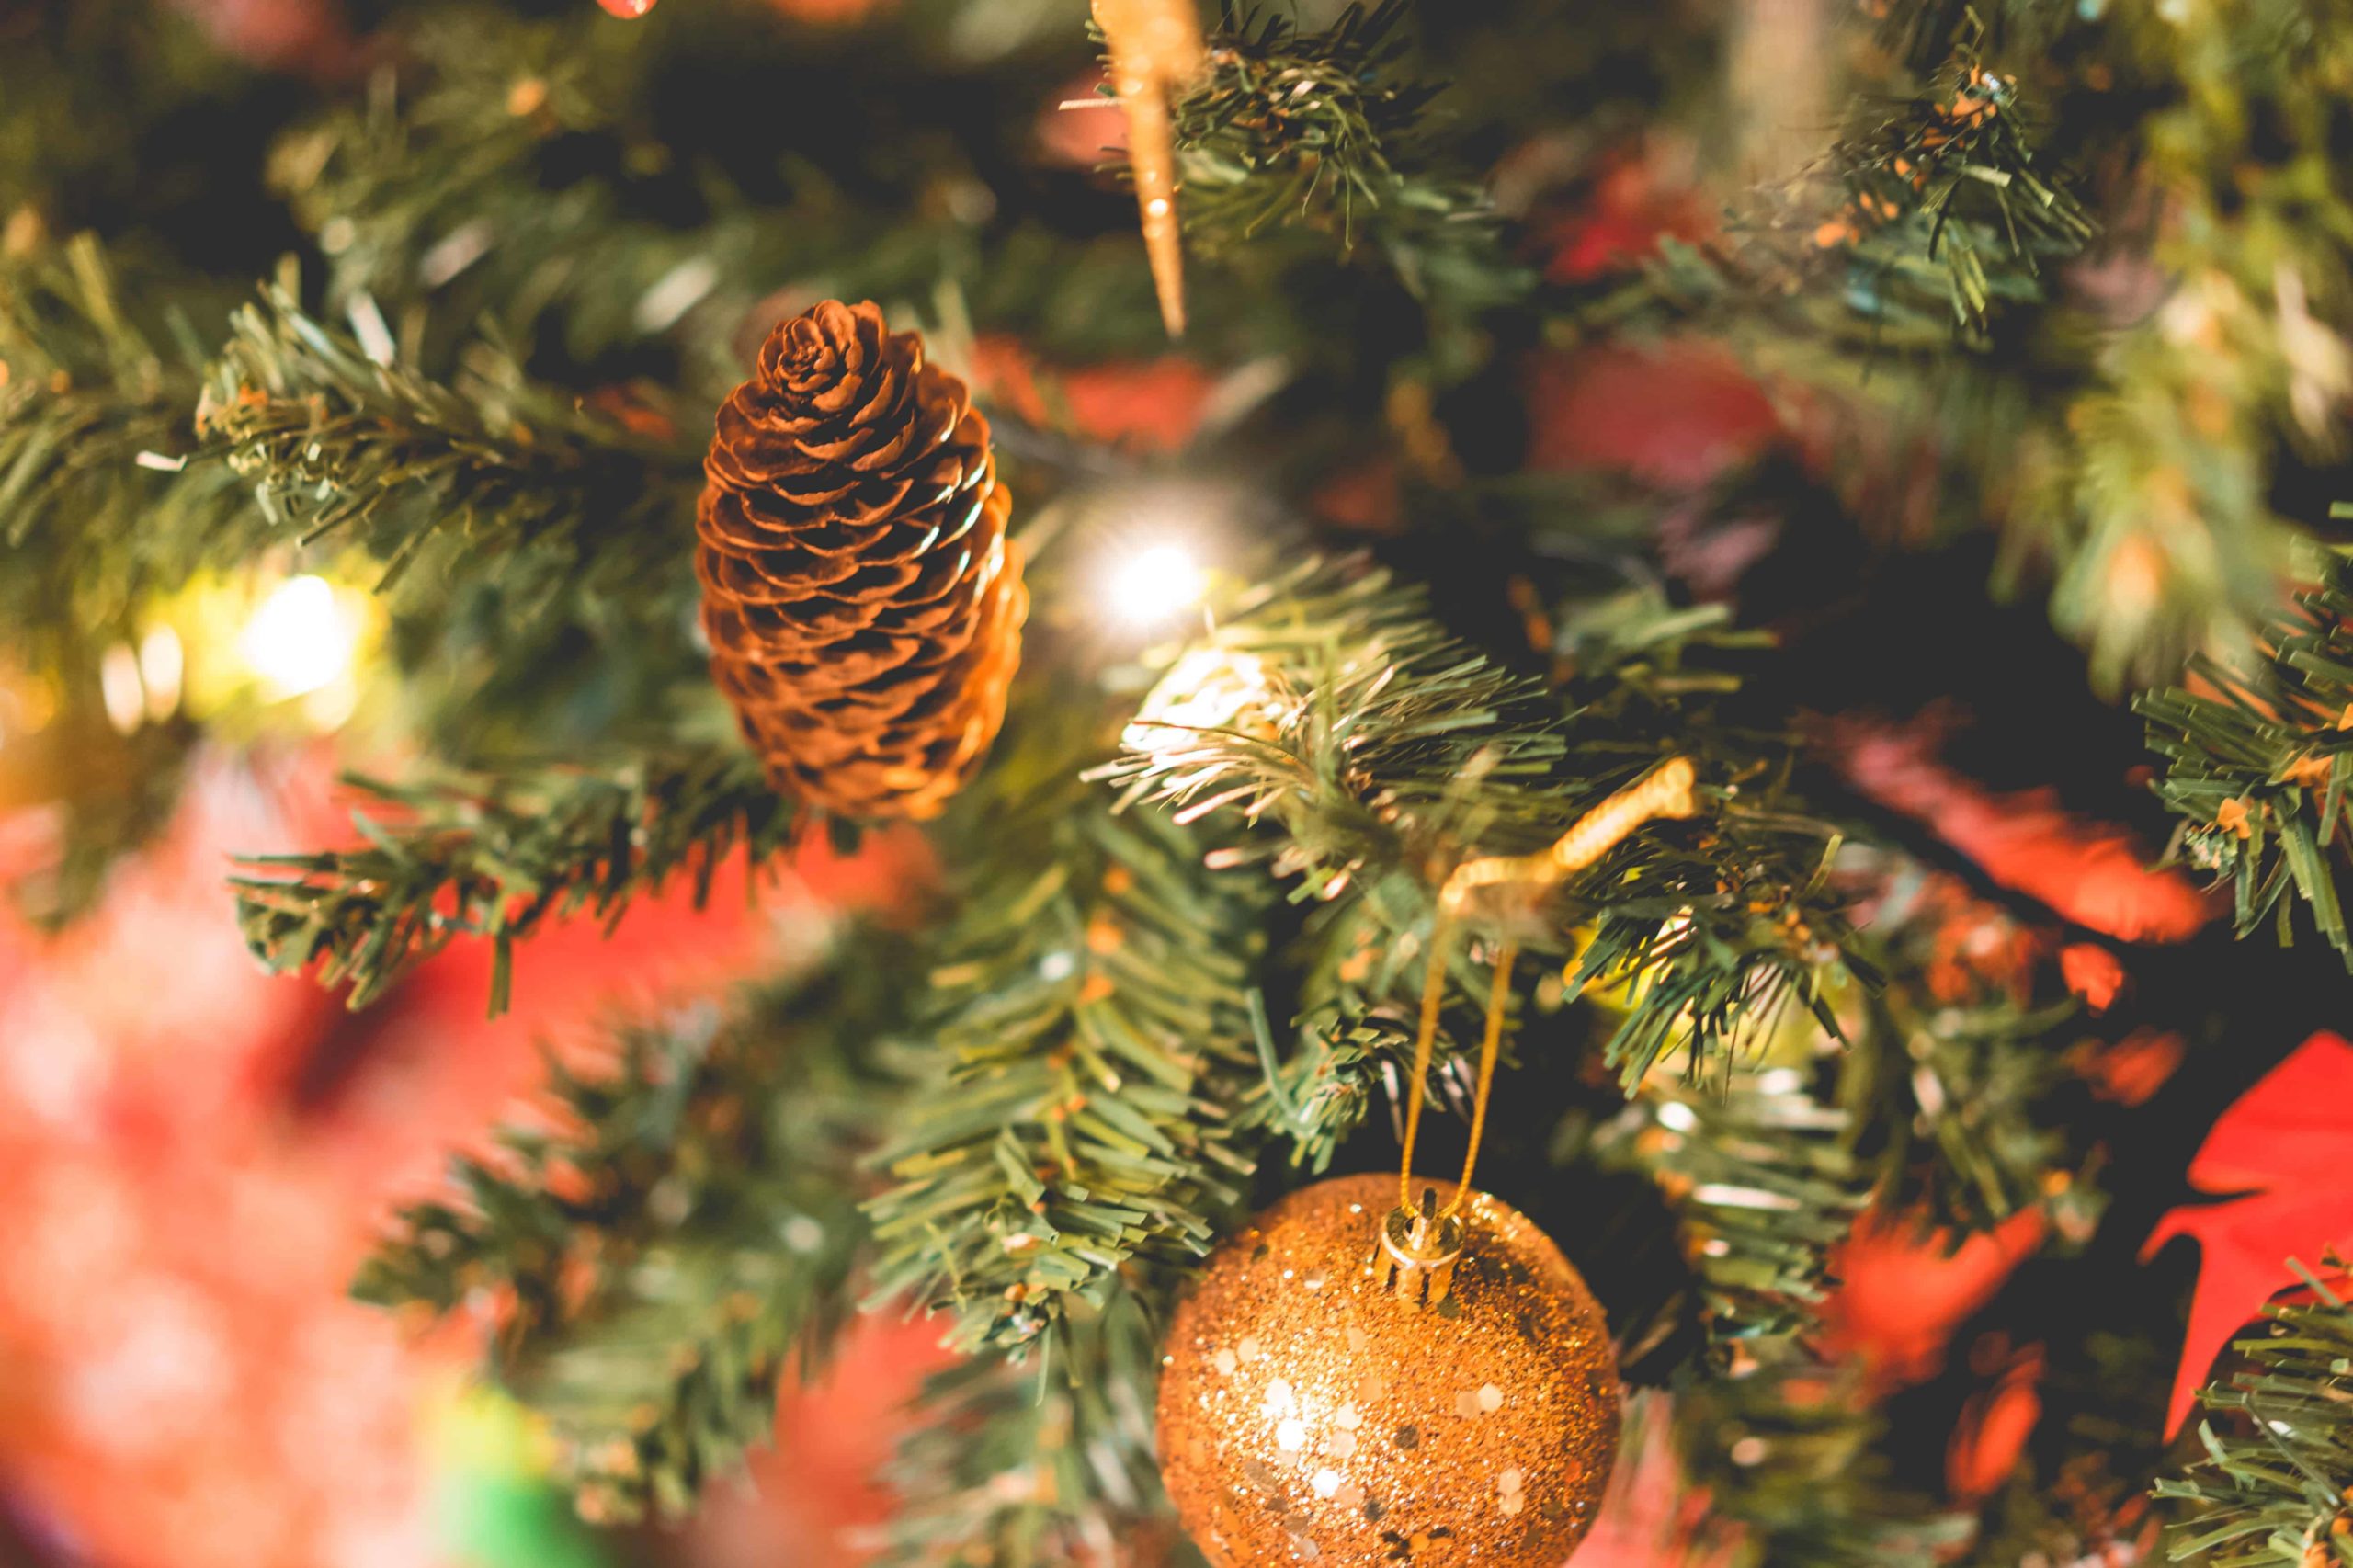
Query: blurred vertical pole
{"points": [[1778, 68]]}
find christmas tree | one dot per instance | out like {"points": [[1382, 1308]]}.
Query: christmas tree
{"points": [[1721, 619]]}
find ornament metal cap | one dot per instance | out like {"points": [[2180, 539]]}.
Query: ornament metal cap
{"points": [[1419, 1251]]}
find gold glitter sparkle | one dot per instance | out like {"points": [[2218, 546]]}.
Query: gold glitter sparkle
{"points": [[1362, 1431]]}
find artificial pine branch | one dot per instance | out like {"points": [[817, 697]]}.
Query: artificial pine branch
{"points": [[1302, 713], [103, 497], [1087, 1043], [496, 170], [489, 475], [1950, 1075], [1376, 752], [1789, 1455], [2159, 448], [500, 859], [404, 181], [657, 1261], [1918, 230], [108, 496], [2169, 542], [1765, 1182], [111, 497], [1329, 128], [676, 1235], [1948, 185], [515, 171], [2275, 1488], [1939, 210], [2257, 758], [1957, 1098], [100, 508], [1039, 1465], [1327, 707], [2121, 439], [1944, 1103], [1318, 118]]}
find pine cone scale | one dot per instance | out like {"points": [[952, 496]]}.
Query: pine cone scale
{"points": [[863, 603]]}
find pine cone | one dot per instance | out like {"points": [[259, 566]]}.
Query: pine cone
{"points": [[863, 603]]}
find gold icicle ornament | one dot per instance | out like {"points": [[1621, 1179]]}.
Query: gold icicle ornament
{"points": [[1156, 51]]}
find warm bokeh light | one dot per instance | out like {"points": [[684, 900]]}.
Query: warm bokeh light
{"points": [[299, 641], [119, 689], [1151, 587], [163, 665]]}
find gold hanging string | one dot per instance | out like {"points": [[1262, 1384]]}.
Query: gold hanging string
{"points": [[1490, 1046], [1425, 1041], [1666, 792]]}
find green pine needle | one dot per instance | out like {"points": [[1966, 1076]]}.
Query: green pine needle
{"points": [[443, 863]]}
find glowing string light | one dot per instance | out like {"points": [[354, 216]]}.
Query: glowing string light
{"points": [[119, 688], [163, 664], [1154, 584], [299, 641]]}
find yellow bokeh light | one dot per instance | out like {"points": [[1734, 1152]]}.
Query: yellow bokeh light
{"points": [[300, 640], [1151, 587]]}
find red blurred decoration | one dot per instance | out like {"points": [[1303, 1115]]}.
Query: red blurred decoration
{"points": [[2089, 873], [1082, 127], [1637, 197], [821, 13], [2092, 972], [1995, 1421], [306, 37], [1364, 495], [198, 1156], [1652, 1515], [1974, 947], [625, 407], [2281, 1152], [829, 13], [1903, 1290], [2132, 1068], [1152, 405], [812, 1493], [1675, 416]]}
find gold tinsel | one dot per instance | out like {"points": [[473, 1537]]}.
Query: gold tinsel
{"points": [[1310, 1414]]}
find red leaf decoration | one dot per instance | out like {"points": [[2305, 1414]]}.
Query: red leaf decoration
{"points": [[2283, 1150]]}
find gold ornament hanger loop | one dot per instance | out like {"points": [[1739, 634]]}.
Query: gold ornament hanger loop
{"points": [[1423, 1246], [1665, 792]]}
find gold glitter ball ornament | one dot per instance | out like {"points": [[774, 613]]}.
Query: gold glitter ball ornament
{"points": [[1312, 1412]]}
